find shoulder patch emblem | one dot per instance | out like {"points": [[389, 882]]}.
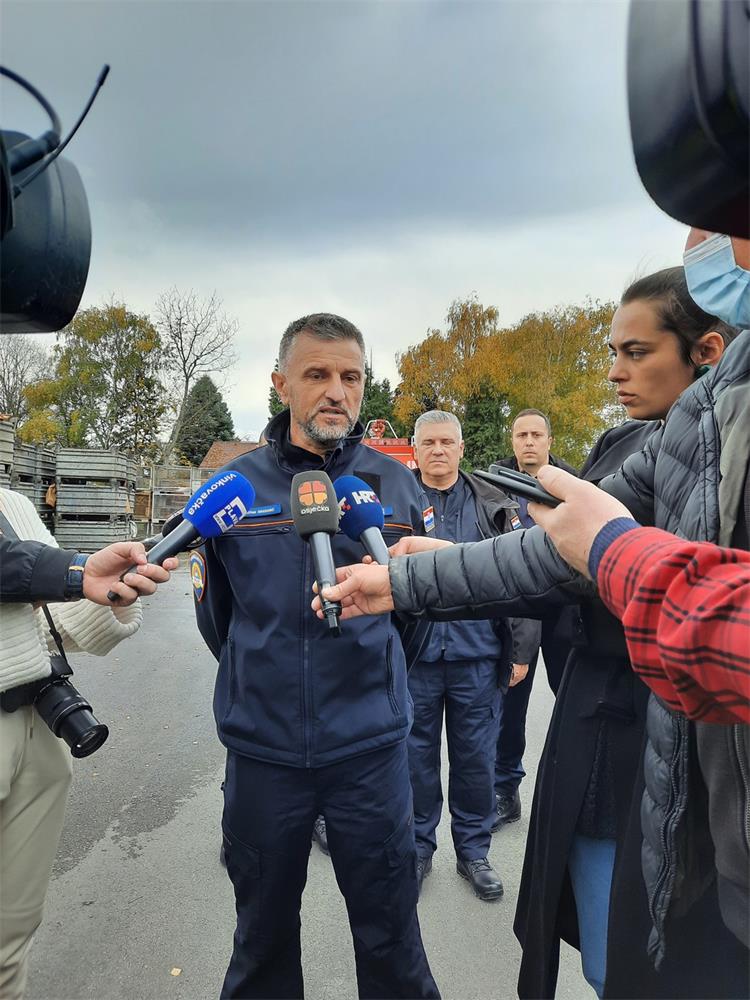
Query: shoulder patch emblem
{"points": [[428, 516], [515, 522], [198, 575]]}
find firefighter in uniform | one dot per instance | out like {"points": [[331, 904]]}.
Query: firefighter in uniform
{"points": [[313, 724]]}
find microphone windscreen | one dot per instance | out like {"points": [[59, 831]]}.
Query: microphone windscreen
{"points": [[219, 504], [360, 507], [314, 505]]}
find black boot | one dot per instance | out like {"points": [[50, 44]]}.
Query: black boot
{"points": [[319, 835], [424, 867], [484, 879], [507, 810]]}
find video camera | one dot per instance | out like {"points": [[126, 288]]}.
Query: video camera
{"points": [[45, 227], [689, 103]]}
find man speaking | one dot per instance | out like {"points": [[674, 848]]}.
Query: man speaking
{"points": [[314, 723]]}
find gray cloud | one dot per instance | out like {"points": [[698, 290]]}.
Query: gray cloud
{"points": [[372, 159], [305, 122]]}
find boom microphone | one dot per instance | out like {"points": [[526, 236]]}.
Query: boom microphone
{"points": [[362, 517], [316, 518], [213, 509]]}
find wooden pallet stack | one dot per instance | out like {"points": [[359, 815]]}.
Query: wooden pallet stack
{"points": [[7, 440], [33, 474], [95, 498]]}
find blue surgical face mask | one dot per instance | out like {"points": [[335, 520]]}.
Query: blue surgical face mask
{"points": [[716, 281]]}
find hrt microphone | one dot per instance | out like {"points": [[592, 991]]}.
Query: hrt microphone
{"points": [[213, 509], [316, 518], [362, 516]]}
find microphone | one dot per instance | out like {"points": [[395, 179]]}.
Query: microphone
{"points": [[213, 509], [362, 516], [316, 518], [167, 528]]}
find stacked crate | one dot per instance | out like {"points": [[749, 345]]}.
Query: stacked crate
{"points": [[173, 485], [33, 474], [7, 440], [95, 498]]}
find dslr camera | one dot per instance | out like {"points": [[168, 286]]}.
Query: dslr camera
{"points": [[63, 708]]}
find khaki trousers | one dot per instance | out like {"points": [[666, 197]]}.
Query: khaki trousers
{"points": [[35, 772]]}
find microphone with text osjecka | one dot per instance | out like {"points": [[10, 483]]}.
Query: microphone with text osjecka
{"points": [[362, 517], [213, 509], [315, 511]]}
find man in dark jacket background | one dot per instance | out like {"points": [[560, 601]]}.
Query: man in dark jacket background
{"points": [[531, 435], [313, 724], [463, 669]]}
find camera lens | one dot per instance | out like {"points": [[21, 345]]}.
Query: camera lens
{"points": [[90, 739], [69, 716]]}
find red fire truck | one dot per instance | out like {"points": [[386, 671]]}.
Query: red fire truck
{"points": [[399, 448]]}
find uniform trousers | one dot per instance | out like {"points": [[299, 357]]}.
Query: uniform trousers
{"points": [[35, 773], [467, 692], [269, 811], [511, 734]]}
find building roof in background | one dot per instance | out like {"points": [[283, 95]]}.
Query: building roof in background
{"points": [[222, 452]]}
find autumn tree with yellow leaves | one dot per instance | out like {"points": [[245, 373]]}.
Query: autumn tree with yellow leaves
{"points": [[555, 361]]}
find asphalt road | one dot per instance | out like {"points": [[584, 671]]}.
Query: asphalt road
{"points": [[139, 907]]}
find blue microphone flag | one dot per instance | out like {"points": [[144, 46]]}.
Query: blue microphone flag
{"points": [[220, 503], [360, 506]]}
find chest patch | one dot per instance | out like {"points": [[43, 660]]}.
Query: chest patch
{"points": [[515, 522], [270, 508], [198, 575], [428, 517]]}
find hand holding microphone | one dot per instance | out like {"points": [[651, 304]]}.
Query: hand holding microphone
{"points": [[213, 509], [315, 511]]}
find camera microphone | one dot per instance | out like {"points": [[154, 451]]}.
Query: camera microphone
{"points": [[316, 517], [362, 516], [213, 509]]}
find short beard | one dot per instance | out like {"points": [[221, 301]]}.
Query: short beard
{"points": [[326, 435]]}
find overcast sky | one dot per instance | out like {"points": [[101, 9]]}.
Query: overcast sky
{"points": [[375, 159]]}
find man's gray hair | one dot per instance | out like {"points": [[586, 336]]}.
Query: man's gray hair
{"points": [[325, 326], [438, 417]]}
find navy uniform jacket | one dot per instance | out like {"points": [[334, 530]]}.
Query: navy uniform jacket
{"points": [[288, 691], [33, 571]]}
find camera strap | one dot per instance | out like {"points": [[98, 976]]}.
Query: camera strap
{"points": [[7, 529]]}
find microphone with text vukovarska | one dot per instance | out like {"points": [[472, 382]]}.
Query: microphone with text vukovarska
{"points": [[315, 511], [362, 516], [213, 509]]}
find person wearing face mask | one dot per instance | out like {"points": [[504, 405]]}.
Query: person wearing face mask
{"points": [[582, 873], [581, 859]]}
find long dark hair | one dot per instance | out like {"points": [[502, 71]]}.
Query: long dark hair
{"points": [[667, 290]]}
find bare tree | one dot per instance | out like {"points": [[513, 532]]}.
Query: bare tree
{"points": [[198, 339], [23, 361]]}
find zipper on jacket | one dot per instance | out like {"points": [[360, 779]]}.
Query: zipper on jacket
{"points": [[306, 669], [389, 674], [664, 870], [740, 748]]}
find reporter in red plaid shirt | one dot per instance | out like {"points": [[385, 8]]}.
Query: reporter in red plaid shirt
{"points": [[685, 606]]}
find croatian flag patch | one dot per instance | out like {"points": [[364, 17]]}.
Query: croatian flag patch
{"points": [[428, 516]]}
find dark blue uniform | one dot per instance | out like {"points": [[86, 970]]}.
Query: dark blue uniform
{"points": [[458, 672], [313, 725]]}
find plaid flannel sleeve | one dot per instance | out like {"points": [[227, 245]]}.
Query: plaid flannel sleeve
{"points": [[685, 607]]}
